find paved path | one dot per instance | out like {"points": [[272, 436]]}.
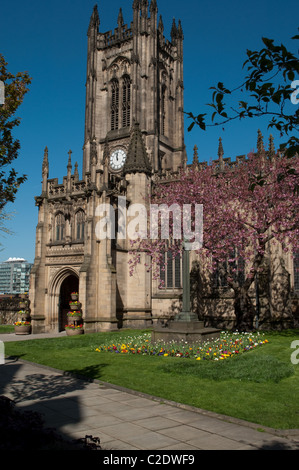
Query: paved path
{"points": [[127, 420]]}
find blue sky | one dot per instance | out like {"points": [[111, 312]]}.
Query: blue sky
{"points": [[48, 39]]}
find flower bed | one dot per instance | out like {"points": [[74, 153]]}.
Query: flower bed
{"points": [[228, 345]]}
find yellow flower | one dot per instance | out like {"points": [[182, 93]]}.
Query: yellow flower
{"points": [[165, 354], [198, 358]]}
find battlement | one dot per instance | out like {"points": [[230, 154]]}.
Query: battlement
{"points": [[112, 38], [221, 163]]}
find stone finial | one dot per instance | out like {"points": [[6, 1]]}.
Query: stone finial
{"points": [[144, 4], [136, 4], [153, 6], [120, 19], [220, 155], [180, 31], [260, 143], [69, 164], [76, 173], [45, 166], [94, 20], [161, 25], [220, 149], [195, 156], [174, 32]]}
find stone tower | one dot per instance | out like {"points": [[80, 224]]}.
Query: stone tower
{"points": [[135, 75], [134, 130]]}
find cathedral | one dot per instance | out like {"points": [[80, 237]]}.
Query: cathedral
{"points": [[134, 134]]}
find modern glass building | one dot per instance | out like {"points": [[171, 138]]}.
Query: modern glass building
{"points": [[14, 276]]}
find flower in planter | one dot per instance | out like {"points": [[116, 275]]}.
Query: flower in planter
{"points": [[73, 313], [22, 323], [74, 302], [73, 327], [74, 293]]}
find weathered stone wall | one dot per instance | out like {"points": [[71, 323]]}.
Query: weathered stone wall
{"points": [[9, 308]]}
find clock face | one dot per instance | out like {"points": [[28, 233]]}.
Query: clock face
{"points": [[117, 159]]}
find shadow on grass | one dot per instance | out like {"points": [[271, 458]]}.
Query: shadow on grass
{"points": [[285, 333], [88, 373]]}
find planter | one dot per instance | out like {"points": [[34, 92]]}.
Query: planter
{"points": [[74, 331], [23, 305], [74, 296], [23, 316], [75, 306], [73, 318], [22, 329]]}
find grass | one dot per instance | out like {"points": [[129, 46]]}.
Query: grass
{"points": [[246, 368], [259, 385], [5, 329]]}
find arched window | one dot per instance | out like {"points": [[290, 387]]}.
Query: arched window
{"points": [[114, 104], [59, 227], [80, 225], [126, 101]]}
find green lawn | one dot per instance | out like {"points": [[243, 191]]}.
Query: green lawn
{"points": [[7, 329], [260, 385]]}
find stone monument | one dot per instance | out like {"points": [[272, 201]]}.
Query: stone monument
{"points": [[185, 326]]}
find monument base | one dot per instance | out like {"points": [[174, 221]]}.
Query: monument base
{"points": [[188, 331]]}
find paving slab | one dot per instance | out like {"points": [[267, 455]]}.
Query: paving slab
{"points": [[127, 420]]}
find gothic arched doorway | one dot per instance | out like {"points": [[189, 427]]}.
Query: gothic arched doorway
{"points": [[69, 285]]}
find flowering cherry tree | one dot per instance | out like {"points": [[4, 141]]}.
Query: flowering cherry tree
{"points": [[246, 206]]}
